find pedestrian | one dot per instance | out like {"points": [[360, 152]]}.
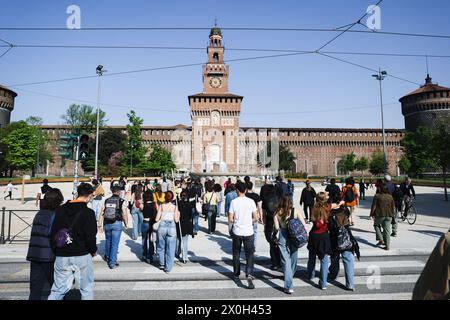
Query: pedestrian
{"points": [[122, 184], [343, 244], [211, 198], [195, 214], [99, 192], [45, 187], [40, 253], [350, 196], [332, 189], [269, 206], [226, 185], [290, 190], [408, 194], [164, 185], [242, 214], [396, 194], [255, 197], [289, 252], [382, 211], [307, 199], [185, 206], [220, 197], [362, 189], [281, 187], [136, 213], [75, 225], [319, 240], [158, 195], [265, 188], [9, 189], [149, 211], [114, 213], [168, 215], [231, 195]]}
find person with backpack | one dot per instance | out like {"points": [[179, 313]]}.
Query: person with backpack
{"points": [[332, 189], [241, 216], [382, 212], [307, 199], [319, 240], [148, 209], [288, 249], [269, 206], [209, 208], [40, 253], [114, 213], [350, 196], [343, 244], [167, 217], [73, 240], [136, 213]]}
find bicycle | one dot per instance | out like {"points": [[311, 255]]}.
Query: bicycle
{"points": [[411, 216]]}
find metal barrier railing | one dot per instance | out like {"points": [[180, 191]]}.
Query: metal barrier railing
{"points": [[10, 236]]}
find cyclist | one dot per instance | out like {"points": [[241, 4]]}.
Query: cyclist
{"points": [[408, 195]]}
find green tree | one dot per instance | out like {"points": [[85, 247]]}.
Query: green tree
{"points": [[83, 118], [111, 140], [160, 161], [362, 164], [347, 163], [441, 148], [418, 149], [376, 165], [22, 143], [43, 153], [404, 164], [286, 160]]}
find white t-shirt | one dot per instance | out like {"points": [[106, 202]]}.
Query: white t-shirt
{"points": [[164, 186], [9, 187], [243, 208]]}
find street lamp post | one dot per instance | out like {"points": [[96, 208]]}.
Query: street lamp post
{"points": [[380, 77], [100, 72]]}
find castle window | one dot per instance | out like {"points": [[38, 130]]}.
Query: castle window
{"points": [[216, 56]]}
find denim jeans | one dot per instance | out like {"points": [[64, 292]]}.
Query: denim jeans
{"points": [[212, 218], [113, 232], [138, 217], [255, 233], [348, 259], [65, 270], [274, 249], [147, 244], [249, 249], [167, 241], [184, 247], [196, 225], [97, 207], [323, 268], [219, 208], [289, 257]]}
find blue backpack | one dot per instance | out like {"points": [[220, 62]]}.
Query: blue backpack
{"points": [[298, 235]]}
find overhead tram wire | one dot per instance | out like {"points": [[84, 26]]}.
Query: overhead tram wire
{"points": [[180, 111], [391, 33], [9, 45]]}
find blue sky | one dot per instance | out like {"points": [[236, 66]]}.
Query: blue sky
{"points": [[272, 88]]}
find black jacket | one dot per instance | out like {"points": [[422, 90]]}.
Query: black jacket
{"points": [[39, 249], [308, 196], [339, 217], [186, 217], [84, 231]]}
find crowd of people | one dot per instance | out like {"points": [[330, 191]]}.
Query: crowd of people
{"points": [[165, 214]]}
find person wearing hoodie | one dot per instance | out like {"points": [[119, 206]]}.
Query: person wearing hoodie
{"points": [[75, 223], [40, 253]]}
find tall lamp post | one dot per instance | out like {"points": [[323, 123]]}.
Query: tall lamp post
{"points": [[99, 72], [380, 77]]}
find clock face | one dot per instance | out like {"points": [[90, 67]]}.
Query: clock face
{"points": [[215, 82]]}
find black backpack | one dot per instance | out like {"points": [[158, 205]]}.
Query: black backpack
{"points": [[349, 195], [271, 205], [397, 194], [113, 209]]}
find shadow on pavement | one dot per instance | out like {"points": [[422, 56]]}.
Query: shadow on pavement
{"points": [[435, 234]]}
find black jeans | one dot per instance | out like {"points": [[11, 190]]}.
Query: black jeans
{"points": [[249, 249], [212, 213], [274, 250], [9, 195], [41, 280], [307, 207], [362, 193]]}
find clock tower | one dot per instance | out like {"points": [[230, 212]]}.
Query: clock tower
{"points": [[215, 114]]}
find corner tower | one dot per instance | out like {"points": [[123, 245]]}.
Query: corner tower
{"points": [[215, 114]]}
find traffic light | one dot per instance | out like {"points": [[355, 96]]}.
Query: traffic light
{"points": [[84, 147], [66, 144]]}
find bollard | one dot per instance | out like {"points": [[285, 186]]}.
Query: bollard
{"points": [[9, 227], [2, 234]]}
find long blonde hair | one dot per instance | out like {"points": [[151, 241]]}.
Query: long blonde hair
{"points": [[320, 210], [284, 208]]}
